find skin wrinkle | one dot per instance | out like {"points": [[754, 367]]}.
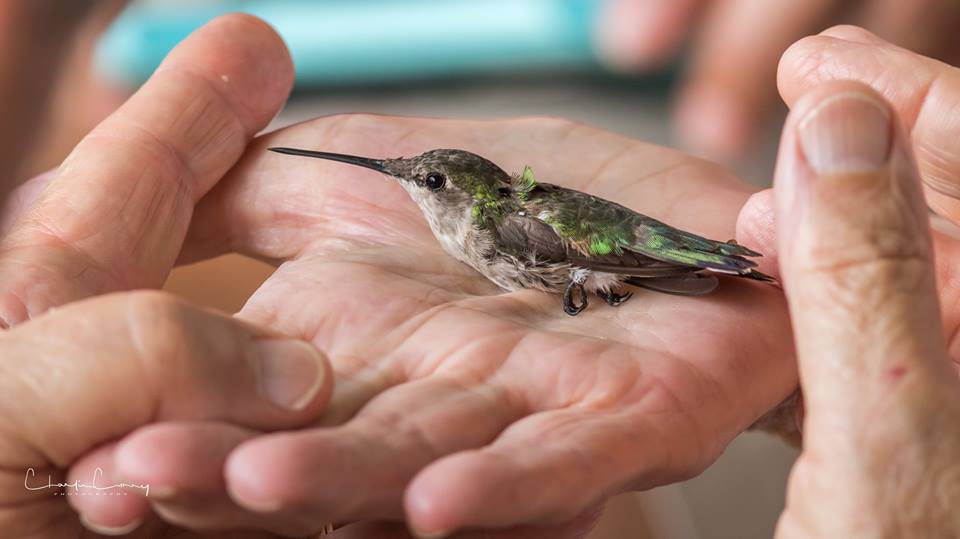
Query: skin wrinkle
{"points": [[690, 412], [163, 156], [912, 113], [359, 222], [457, 360], [419, 323], [298, 300], [938, 170], [407, 134], [565, 126], [238, 111], [84, 261], [204, 129], [605, 166], [595, 395], [11, 315]]}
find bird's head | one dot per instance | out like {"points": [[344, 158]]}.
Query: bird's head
{"points": [[444, 183]]}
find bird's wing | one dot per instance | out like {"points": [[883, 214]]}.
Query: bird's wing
{"points": [[602, 234], [524, 235]]}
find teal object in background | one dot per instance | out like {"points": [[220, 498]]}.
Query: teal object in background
{"points": [[365, 41]]}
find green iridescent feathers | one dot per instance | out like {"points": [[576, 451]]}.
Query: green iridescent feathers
{"points": [[524, 184], [594, 227], [491, 204], [597, 227]]}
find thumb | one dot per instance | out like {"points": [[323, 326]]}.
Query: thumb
{"points": [[98, 369], [856, 259]]}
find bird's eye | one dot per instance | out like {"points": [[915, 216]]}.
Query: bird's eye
{"points": [[435, 181]]}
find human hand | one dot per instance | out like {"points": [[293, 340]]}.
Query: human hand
{"points": [[680, 406], [882, 398], [456, 404], [113, 217], [736, 46], [924, 94], [75, 379]]}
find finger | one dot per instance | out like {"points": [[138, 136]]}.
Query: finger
{"points": [[856, 260], [117, 212], [639, 34], [728, 94], [16, 204], [107, 506], [163, 360], [923, 92], [359, 470], [581, 455], [757, 229], [182, 465]]}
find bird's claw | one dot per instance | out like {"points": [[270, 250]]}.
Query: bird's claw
{"points": [[568, 305], [613, 299]]}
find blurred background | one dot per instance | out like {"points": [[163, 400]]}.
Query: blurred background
{"points": [[694, 74]]}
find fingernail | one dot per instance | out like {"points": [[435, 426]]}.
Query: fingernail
{"points": [[110, 530], [291, 372], [847, 132]]}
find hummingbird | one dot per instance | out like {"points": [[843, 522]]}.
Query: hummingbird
{"points": [[521, 233]]}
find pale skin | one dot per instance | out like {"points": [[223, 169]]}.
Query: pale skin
{"points": [[728, 92], [878, 358], [612, 402], [595, 405]]}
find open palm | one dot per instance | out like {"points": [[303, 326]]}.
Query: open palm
{"points": [[499, 408]]}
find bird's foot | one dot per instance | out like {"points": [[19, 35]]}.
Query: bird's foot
{"points": [[568, 305], [613, 299]]}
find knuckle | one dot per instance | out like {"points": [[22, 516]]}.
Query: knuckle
{"points": [[155, 326], [878, 256], [863, 271]]}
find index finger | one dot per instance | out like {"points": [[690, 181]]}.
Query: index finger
{"points": [[116, 214], [924, 93]]}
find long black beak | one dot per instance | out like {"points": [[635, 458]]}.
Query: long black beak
{"points": [[366, 162]]}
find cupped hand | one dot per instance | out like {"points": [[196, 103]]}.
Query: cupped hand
{"points": [[729, 90], [457, 404], [882, 399], [112, 218], [75, 380]]}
